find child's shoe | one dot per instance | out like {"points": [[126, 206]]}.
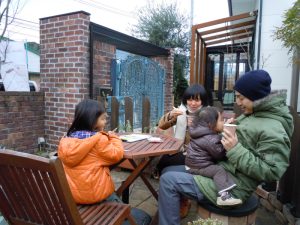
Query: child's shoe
{"points": [[227, 199]]}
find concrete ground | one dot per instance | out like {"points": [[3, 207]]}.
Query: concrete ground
{"points": [[141, 197]]}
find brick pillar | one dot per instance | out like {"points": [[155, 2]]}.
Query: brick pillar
{"points": [[103, 55], [167, 63], [64, 56]]}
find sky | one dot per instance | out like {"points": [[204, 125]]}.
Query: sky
{"points": [[118, 15]]}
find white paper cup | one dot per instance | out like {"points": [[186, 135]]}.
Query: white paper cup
{"points": [[230, 127]]}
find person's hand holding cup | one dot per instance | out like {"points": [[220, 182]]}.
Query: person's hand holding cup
{"points": [[230, 127], [175, 112], [229, 139]]}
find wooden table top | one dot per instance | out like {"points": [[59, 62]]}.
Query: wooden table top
{"points": [[144, 148]]}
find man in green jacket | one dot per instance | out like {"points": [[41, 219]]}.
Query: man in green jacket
{"points": [[258, 151]]}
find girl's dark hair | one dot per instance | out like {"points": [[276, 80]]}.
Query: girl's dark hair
{"points": [[208, 117], [86, 115], [195, 91]]}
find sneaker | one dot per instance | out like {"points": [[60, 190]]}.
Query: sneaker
{"points": [[185, 205], [228, 200]]}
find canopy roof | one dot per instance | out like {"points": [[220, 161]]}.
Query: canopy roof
{"points": [[126, 43], [229, 31]]}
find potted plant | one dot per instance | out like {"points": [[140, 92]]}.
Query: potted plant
{"points": [[208, 221]]}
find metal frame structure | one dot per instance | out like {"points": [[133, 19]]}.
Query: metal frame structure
{"points": [[122, 42]]}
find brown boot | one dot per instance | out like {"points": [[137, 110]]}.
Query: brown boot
{"points": [[185, 205]]}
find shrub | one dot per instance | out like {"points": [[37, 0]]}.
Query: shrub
{"points": [[208, 221]]}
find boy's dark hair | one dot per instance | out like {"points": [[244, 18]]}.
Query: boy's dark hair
{"points": [[195, 91], [86, 115], [208, 117]]}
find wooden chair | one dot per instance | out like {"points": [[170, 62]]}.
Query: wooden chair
{"points": [[34, 190]]}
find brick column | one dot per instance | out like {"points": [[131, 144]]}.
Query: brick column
{"points": [[103, 55], [64, 56], [167, 63]]}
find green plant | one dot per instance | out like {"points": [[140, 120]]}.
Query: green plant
{"points": [[125, 127], [289, 32], [128, 127], [208, 221]]}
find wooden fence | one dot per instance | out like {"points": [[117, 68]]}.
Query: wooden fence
{"points": [[289, 185], [128, 110]]}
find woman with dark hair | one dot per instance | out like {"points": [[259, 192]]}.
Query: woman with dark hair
{"points": [[86, 154], [194, 97]]}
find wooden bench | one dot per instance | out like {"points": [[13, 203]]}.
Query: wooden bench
{"points": [[242, 215], [34, 190]]}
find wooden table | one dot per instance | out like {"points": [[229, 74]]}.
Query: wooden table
{"points": [[145, 151]]}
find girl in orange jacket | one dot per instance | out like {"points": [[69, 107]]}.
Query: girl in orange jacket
{"points": [[87, 152]]}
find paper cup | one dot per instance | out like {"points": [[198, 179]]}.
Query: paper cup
{"points": [[230, 127]]}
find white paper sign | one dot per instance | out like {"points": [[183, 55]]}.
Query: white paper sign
{"points": [[14, 71]]}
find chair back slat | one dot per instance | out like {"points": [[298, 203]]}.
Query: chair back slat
{"points": [[35, 190], [54, 199], [37, 199], [26, 177], [8, 188], [50, 198], [17, 175]]}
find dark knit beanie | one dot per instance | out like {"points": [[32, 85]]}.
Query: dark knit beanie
{"points": [[254, 85]]}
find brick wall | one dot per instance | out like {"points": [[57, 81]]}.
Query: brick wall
{"points": [[64, 41], [103, 54], [64, 56], [167, 64], [282, 212], [21, 120]]}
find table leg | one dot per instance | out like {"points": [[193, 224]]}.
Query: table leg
{"points": [[147, 183], [116, 164], [134, 174], [125, 195]]}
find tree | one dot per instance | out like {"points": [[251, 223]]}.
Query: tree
{"points": [[289, 32], [179, 81], [164, 26], [8, 11]]}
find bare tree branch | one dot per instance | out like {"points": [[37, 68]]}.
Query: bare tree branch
{"points": [[8, 11]]}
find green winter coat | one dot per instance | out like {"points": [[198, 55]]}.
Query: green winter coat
{"points": [[263, 149]]}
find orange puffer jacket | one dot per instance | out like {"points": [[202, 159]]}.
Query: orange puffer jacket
{"points": [[86, 163]]}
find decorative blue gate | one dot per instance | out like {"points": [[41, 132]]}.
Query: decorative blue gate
{"points": [[138, 77]]}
